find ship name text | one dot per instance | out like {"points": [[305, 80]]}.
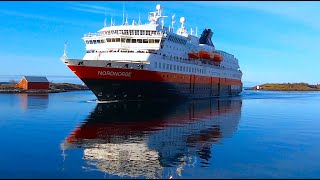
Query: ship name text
{"points": [[112, 73]]}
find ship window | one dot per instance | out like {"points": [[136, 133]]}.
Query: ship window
{"points": [[157, 41], [125, 32], [127, 40], [155, 64], [145, 40], [174, 67], [147, 32], [113, 40], [117, 39], [103, 41], [170, 66], [143, 32], [180, 68], [151, 40], [136, 32], [134, 40], [159, 65], [139, 40], [167, 66], [131, 32], [123, 40]]}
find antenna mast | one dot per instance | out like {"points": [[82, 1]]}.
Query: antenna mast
{"points": [[172, 22], [64, 56], [197, 31], [139, 22], [105, 18], [123, 13]]}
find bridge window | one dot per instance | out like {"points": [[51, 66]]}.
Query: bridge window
{"points": [[145, 40], [123, 40], [117, 39], [133, 40], [151, 40], [139, 40], [157, 41], [127, 40]]}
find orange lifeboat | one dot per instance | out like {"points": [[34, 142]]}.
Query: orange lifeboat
{"points": [[193, 55], [217, 58], [204, 55]]}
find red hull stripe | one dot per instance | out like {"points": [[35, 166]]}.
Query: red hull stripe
{"points": [[88, 72]]}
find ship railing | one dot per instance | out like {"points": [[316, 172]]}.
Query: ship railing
{"points": [[122, 34], [92, 34]]}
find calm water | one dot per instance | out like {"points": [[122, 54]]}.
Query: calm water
{"points": [[70, 135]]}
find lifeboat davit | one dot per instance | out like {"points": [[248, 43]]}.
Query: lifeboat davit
{"points": [[204, 55], [217, 58], [193, 55]]}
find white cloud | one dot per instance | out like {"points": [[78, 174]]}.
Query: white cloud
{"points": [[303, 12], [91, 8], [44, 18]]}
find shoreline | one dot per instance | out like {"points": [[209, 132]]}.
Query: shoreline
{"points": [[53, 88], [286, 87]]}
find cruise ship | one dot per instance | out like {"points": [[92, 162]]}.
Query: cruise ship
{"points": [[136, 61]]}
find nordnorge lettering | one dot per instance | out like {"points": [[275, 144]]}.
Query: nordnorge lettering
{"points": [[112, 73]]}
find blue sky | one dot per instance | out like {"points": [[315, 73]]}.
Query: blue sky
{"points": [[274, 41]]}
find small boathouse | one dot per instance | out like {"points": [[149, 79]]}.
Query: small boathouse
{"points": [[34, 83]]}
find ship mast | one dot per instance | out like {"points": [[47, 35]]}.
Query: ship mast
{"points": [[64, 56]]}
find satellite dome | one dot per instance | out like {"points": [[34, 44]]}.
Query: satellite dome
{"points": [[158, 7], [182, 20]]}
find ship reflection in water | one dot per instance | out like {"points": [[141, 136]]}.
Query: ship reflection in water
{"points": [[152, 140]]}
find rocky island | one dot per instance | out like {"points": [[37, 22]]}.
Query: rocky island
{"points": [[286, 87], [53, 88]]}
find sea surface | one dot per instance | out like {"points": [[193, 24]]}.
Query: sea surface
{"points": [[70, 135]]}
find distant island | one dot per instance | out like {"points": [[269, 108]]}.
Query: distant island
{"points": [[286, 87], [53, 88]]}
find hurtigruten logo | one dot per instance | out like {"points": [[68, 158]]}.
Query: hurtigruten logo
{"points": [[112, 73]]}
